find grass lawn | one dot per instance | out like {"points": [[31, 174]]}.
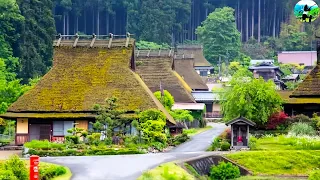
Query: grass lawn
{"points": [[166, 171], [66, 176], [283, 142], [278, 162], [266, 178], [194, 131]]}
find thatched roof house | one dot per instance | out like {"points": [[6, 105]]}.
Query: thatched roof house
{"points": [[159, 68], [185, 68], [201, 65], [80, 78]]}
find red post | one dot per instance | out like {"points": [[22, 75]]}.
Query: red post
{"points": [[34, 167]]}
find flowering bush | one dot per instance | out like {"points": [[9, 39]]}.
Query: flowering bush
{"points": [[276, 120], [226, 135]]}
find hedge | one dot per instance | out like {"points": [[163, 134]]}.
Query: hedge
{"points": [[89, 152]]}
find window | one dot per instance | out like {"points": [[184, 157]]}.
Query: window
{"points": [[60, 128], [203, 73]]}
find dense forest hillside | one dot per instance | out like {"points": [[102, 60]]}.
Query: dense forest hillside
{"points": [[256, 28], [155, 20]]}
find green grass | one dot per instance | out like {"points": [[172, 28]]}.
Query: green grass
{"points": [[278, 162], [283, 142], [266, 178], [166, 171], [194, 131], [66, 176]]}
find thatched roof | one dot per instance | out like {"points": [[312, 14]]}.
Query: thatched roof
{"points": [[155, 69], [82, 77], [285, 95], [185, 69], [310, 86], [197, 52]]}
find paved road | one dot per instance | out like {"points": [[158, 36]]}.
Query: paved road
{"points": [[202, 141], [130, 167]]}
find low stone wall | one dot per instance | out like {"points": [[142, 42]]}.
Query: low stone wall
{"points": [[203, 164]]}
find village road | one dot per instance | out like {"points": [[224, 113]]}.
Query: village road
{"points": [[202, 141], [130, 167]]}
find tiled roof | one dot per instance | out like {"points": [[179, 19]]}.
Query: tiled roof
{"points": [[255, 62]]}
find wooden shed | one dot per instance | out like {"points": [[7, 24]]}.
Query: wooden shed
{"points": [[240, 132]]}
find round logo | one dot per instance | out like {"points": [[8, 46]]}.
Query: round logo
{"points": [[306, 10]]}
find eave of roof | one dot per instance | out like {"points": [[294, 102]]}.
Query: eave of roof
{"points": [[285, 95], [188, 106], [242, 119]]}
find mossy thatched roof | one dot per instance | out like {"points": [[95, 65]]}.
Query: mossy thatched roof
{"points": [[310, 86], [185, 69], [285, 95], [197, 51], [82, 77], [155, 69]]}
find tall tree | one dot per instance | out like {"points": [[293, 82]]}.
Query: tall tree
{"points": [[35, 45], [219, 35], [263, 97]]}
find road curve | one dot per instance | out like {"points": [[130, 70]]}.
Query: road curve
{"points": [[130, 167], [202, 141]]}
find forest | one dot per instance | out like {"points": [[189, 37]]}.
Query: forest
{"points": [[245, 29]]}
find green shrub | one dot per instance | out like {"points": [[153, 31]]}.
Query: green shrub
{"points": [[45, 145], [49, 171], [315, 175], [225, 146], [17, 166], [158, 145], [299, 129], [85, 152], [181, 138], [253, 142], [94, 139], [7, 175], [224, 171], [73, 139]]}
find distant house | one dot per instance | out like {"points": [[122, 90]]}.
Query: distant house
{"points": [[291, 78], [159, 69], [268, 71], [185, 68], [201, 65], [257, 62], [306, 58], [211, 100], [80, 78]]}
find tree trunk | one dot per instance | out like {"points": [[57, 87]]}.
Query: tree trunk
{"points": [[64, 24], [274, 19], [93, 21], [264, 18], [98, 22], [85, 22], [77, 29], [114, 23], [241, 26], [239, 14], [247, 24], [108, 22], [68, 24], [252, 22], [259, 21]]}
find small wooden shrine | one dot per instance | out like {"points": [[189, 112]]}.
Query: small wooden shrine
{"points": [[240, 132]]}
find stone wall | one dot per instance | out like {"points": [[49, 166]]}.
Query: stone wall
{"points": [[203, 164]]}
